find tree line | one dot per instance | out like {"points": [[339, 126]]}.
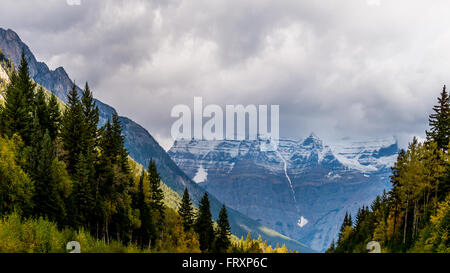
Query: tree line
{"points": [[414, 216], [57, 165]]}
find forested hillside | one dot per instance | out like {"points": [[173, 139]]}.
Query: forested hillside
{"points": [[63, 179], [415, 215]]}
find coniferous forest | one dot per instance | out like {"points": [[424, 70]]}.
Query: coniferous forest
{"points": [[64, 179], [414, 216]]}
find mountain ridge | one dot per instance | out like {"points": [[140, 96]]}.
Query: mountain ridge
{"points": [[301, 190]]}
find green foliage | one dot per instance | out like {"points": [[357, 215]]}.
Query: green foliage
{"points": [[223, 232], [16, 188], [186, 211], [414, 215], [440, 121], [204, 225], [156, 192], [250, 245], [17, 113], [71, 131], [146, 233], [41, 236]]}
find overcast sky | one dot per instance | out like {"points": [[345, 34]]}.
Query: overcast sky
{"points": [[340, 68]]}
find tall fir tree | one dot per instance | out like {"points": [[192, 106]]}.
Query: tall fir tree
{"points": [[83, 192], [146, 233], [41, 110], [55, 117], [47, 199], [204, 225], [72, 130], [91, 119], [186, 211], [19, 100], [157, 194], [118, 139], [439, 121], [223, 242]]}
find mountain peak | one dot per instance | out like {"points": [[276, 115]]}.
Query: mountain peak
{"points": [[312, 140]]}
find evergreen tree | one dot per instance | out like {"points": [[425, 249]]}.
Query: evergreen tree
{"points": [[54, 116], [72, 130], [332, 247], [19, 100], [91, 118], [114, 182], [223, 232], [204, 225], [47, 199], [439, 121], [157, 194], [186, 211], [146, 233], [41, 110], [83, 192]]}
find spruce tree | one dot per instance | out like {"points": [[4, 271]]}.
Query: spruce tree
{"points": [[41, 110], [118, 144], [83, 192], [91, 118], [72, 130], [186, 212], [157, 194], [19, 100], [204, 225], [55, 117], [439, 121], [114, 181], [146, 233], [47, 200], [223, 232]]}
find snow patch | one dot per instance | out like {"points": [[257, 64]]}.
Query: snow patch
{"points": [[201, 175], [302, 222]]}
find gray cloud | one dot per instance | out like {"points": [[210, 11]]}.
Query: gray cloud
{"points": [[338, 68]]}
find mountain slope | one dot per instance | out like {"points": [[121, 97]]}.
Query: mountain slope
{"points": [[302, 190], [140, 144]]}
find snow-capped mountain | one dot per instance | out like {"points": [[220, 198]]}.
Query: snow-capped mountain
{"points": [[302, 189]]}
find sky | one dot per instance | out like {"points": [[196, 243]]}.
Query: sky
{"points": [[339, 68]]}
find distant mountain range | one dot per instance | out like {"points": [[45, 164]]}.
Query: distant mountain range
{"points": [[302, 190], [140, 144]]}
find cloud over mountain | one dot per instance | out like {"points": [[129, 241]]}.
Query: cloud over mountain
{"points": [[335, 67]]}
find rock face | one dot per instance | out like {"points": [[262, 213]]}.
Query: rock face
{"points": [[140, 144], [302, 190]]}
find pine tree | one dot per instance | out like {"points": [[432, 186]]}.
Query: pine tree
{"points": [[186, 211], [47, 199], [157, 194], [83, 192], [72, 130], [146, 233], [25, 83], [91, 118], [223, 232], [55, 117], [204, 225], [332, 247], [114, 182], [41, 110], [19, 100], [439, 121]]}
